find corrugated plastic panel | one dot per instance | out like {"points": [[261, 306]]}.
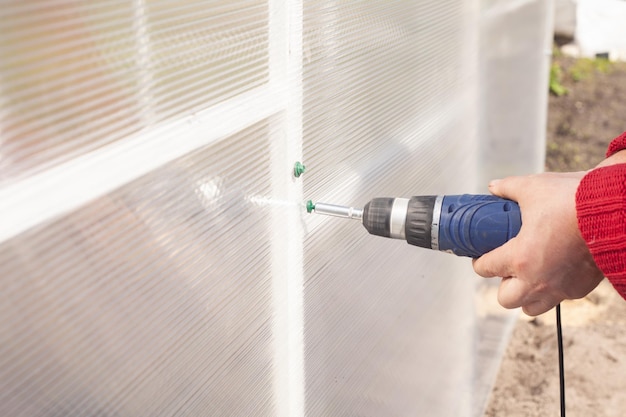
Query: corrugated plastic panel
{"points": [[156, 258], [75, 75], [388, 111], [141, 303]]}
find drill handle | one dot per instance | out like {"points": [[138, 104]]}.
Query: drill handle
{"points": [[472, 225]]}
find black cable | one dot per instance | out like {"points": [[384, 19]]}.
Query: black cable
{"points": [[559, 338]]}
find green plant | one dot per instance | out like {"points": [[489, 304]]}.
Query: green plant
{"points": [[586, 67], [556, 79], [603, 65]]}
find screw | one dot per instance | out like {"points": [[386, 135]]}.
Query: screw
{"points": [[298, 169]]}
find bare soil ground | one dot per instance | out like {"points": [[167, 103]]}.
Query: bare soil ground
{"points": [[581, 123]]}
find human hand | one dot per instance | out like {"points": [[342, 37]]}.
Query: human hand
{"points": [[548, 261]]}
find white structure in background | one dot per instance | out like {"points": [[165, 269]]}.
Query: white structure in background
{"points": [[601, 28], [155, 255], [597, 27], [565, 18], [515, 58]]}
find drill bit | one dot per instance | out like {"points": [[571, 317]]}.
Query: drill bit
{"points": [[335, 210]]}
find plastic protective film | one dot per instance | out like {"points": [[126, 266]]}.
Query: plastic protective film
{"points": [[156, 257]]}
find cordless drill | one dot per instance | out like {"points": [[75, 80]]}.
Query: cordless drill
{"points": [[466, 225]]}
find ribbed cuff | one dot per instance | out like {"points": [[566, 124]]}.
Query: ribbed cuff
{"points": [[618, 144], [601, 211]]}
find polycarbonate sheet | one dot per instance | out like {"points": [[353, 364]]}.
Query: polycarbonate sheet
{"points": [[371, 68], [388, 112], [155, 300], [134, 281], [202, 53], [67, 79], [75, 76]]}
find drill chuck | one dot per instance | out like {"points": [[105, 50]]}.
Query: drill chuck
{"points": [[466, 225]]}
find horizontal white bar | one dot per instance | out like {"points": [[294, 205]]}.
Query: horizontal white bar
{"points": [[66, 187]]}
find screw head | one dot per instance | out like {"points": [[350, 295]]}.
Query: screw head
{"points": [[310, 206], [298, 169]]}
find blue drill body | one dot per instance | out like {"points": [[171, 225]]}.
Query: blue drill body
{"points": [[472, 225], [466, 225]]}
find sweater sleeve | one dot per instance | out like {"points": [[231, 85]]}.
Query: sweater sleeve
{"points": [[601, 211], [618, 144]]}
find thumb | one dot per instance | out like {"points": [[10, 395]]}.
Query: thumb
{"points": [[510, 188]]}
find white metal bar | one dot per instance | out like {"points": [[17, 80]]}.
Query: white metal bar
{"points": [[285, 23], [66, 187]]}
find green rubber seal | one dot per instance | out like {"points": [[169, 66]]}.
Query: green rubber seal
{"points": [[310, 206]]}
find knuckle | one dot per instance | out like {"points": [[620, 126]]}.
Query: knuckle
{"points": [[574, 293], [520, 264], [533, 310], [539, 307]]}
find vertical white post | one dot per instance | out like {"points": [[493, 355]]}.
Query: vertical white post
{"points": [[285, 43]]}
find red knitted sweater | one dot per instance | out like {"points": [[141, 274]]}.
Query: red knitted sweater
{"points": [[601, 211]]}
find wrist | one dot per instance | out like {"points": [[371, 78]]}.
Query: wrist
{"points": [[618, 157]]}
